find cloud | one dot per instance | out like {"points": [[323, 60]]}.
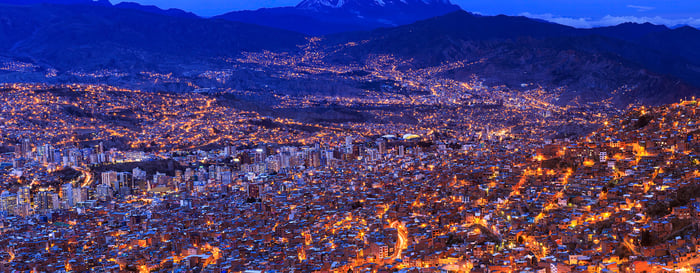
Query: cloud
{"points": [[610, 20], [641, 8]]}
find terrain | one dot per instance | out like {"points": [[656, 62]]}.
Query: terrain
{"points": [[319, 17], [146, 48], [595, 64], [139, 139]]}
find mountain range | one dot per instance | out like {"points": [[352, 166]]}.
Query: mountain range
{"points": [[89, 37], [318, 17], [657, 63], [629, 62]]}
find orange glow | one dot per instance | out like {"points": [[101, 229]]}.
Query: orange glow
{"points": [[402, 239], [301, 253]]}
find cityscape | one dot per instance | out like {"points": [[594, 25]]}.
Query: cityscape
{"points": [[315, 160]]}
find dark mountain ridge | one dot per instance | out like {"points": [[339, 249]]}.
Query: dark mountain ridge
{"points": [[56, 2], [626, 63], [592, 63], [629, 31], [318, 17], [95, 37], [104, 3], [156, 10]]}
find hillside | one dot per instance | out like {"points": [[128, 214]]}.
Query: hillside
{"points": [[92, 37], [517, 50]]}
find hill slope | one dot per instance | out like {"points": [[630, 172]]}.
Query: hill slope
{"points": [[93, 37], [519, 50]]}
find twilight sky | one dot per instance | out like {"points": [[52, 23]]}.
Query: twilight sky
{"points": [[578, 13]]}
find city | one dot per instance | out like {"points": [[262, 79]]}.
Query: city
{"points": [[472, 193], [366, 136]]}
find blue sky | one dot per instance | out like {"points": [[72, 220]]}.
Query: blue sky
{"points": [[579, 13]]}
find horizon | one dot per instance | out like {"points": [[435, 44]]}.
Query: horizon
{"points": [[578, 13]]}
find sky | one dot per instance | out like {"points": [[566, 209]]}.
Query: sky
{"points": [[577, 13]]}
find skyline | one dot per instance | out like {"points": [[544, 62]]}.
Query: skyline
{"points": [[578, 13]]}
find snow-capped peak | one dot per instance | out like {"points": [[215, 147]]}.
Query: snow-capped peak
{"points": [[321, 3]]}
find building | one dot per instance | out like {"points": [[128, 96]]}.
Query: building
{"points": [[226, 177], [23, 207], [67, 195], [103, 192], [8, 203], [43, 201], [110, 179]]}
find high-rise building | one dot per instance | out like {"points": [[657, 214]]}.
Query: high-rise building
{"points": [[23, 210], [161, 180], [329, 157], [26, 148], [381, 146], [43, 201], [189, 174], [110, 179], [55, 201], [43, 153], [177, 179], [93, 159], [23, 202], [284, 160], [56, 156], [212, 172], [23, 196], [103, 192], [77, 195], [67, 195], [84, 194], [18, 150], [8, 202], [226, 177], [315, 159], [260, 154], [138, 174], [124, 180], [373, 154], [348, 145]]}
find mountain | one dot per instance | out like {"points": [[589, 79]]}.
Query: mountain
{"points": [[683, 42], [629, 31], [55, 2], [156, 10], [292, 19], [318, 17], [666, 50], [104, 3], [377, 7], [628, 63], [85, 37], [651, 65]]}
